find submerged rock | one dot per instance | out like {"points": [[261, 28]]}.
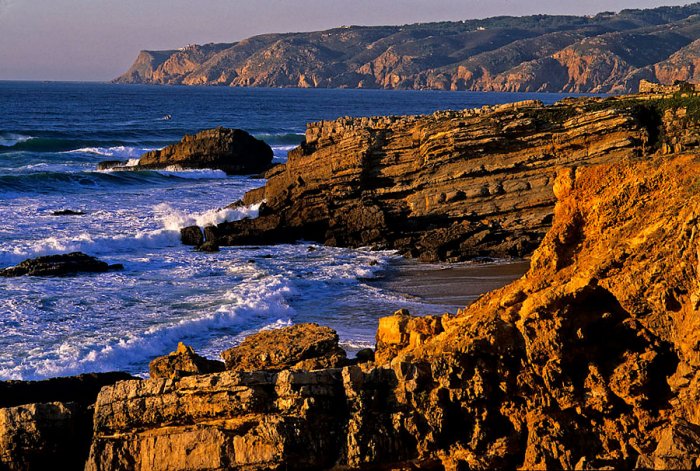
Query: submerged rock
{"points": [[301, 346], [59, 265], [232, 150], [183, 362]]}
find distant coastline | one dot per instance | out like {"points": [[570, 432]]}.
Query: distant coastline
{"points": [[605, 53]]}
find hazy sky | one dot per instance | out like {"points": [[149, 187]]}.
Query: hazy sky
{"points": [[99, 39]]}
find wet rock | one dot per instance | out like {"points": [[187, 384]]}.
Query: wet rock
{"points": [[301, 346], [208, 247], [192, 235], [183, 362], [232, 150], [112, 164], [59, 265]]}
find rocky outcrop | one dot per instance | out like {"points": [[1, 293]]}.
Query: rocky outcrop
{"points": [[297, 347], [183, 362], [450, 186], [589, 361], [43, 423], [59, 265], [607, 52], [232, 150]]}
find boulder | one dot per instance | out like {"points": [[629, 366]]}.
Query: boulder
{"points": [[59, 265], [302, 346], [232, 150], [183, 362]]}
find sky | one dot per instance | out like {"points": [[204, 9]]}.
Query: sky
{"points": [[97, 40]]}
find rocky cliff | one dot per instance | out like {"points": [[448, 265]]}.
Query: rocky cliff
{"points": [[450, 186], [590, 361], [608, 52]]}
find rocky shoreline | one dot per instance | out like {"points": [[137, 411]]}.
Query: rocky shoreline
{"points": [[588, 361], [451, 186]]}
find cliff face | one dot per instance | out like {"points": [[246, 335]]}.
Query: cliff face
{"points": [[605, 53], [589, 361], [449, 186]]}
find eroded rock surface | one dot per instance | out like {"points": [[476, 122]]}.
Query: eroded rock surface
{"points": [[300, 346], [232, 150], [59, 265]]}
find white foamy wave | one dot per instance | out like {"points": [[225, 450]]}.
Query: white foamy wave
{"points": [[12, 139], [252, 304], [174, 220], [205, 173], [92, 245], [132, 162], [122, 152]]}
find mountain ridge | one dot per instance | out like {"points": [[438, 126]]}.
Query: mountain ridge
{"points": [[605, 53]]}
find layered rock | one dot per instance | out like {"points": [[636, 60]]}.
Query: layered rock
{"points": [[43, 423], [448, 186], [59, 265], [607, 52], [589, 361], [232, 150]]}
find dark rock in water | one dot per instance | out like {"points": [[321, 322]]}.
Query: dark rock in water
{"points": [[112, 164], [192, 235], [183, 362], [232, 150], [208, 247], [59, 265], [68, 212], [299, 347], [365, 355], [43, 423]]}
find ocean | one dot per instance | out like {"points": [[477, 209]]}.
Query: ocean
{"points": [[52, 135]]}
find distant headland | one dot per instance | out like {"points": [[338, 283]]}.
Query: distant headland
{"points": [[606, 53]]}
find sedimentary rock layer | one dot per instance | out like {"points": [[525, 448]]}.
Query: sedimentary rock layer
{"points": [[448, 186], [589, 361], [607, 52]]}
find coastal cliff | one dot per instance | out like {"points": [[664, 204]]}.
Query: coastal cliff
{"points": [[451, 186], [589, 361], [608, 52]]}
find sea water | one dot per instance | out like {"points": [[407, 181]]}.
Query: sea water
{"points": [[52, 135]]}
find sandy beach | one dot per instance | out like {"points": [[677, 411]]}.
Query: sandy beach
{"points": [[450, 287]]}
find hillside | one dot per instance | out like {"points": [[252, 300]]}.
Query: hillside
{"points": [[606, 53]]}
